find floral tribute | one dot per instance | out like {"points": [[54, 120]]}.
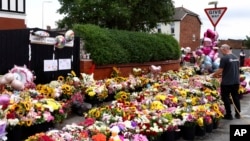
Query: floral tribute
{"points": [[140, 107]]}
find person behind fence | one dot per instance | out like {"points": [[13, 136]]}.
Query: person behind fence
{"points": [[242, 57], [230, 73]]}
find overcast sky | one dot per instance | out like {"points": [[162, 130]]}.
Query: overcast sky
{"points": [[235, 24]]}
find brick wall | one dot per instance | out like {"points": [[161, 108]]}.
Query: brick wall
{"points": [[9, 23], [235, 44], [190, 25]]}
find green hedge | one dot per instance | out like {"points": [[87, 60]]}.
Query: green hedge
{"points": [[109, 46]]}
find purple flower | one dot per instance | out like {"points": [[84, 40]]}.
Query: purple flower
{"points": [[134, 124]]}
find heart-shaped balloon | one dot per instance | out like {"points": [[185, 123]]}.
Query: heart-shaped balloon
{"points": [[60, 41], [69, 35]]}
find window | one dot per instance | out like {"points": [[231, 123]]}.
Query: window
{"points": [[16, 6], [172, 28]]}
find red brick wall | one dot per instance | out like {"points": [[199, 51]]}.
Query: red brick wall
{"points": [[190, 25], [235, 44], [103, 72], [9, 23]]}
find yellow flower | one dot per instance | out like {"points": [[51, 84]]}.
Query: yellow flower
{"points": [[27, 105], [91, 93], [183, 93], [161, 97], [73, 73], [124, 97], [52, 103], [194, 101], [156, 105], [175, 99], [60, 78], [215, 107], [28, 122], [97, 114], [39, 86], [200, 121]]}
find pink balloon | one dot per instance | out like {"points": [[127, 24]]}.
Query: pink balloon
{"points": [[205, 34], [4, 99], [216, 35], [210, 34]]}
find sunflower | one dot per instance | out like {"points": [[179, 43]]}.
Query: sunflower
{"points": [[92, 112], [39, 86], [28, 122], [97, 114], [67, 89], [60, 78], [124, 97], [133, 108], [20, 112], [127, 103], [102, 95], [215, 107], [27, 105]]}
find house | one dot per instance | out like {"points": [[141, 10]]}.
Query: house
{"points": [[12, 14], [186, 28]]}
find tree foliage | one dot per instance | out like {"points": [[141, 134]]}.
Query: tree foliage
{"points": [[247, 42], [132, 15]]}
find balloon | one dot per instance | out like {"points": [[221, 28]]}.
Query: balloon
{"points": [[69, 35], [210, 34], [4, 99], [60, 41], [216, 35]]}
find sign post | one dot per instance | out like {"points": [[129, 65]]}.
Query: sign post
{"points": [[215, 14]]}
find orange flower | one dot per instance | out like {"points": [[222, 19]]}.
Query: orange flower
{"points": [[99, 137]]}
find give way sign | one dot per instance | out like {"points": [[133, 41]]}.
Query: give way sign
{"points": [[215, 14]]}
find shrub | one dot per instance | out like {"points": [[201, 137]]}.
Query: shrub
{"points": [[109, 46]]}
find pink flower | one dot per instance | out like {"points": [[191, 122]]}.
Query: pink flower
{"points": [[87, 122], [139, 137]]}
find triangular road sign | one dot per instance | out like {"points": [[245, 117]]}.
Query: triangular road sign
{"points": [[215, 14]]}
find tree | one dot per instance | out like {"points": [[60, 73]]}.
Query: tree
{"points": [[132, 15], [247, 42]]}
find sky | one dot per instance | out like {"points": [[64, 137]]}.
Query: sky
{"points": [[235, 23], [42, 12]]}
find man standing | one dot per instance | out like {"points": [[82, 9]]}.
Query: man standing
{"points": [[242, 57], [230, 73]]}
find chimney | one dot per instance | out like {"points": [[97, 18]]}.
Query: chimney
{"points": [[48, 27]]}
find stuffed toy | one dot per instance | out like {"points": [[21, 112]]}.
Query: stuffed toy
{"points": [[210, 52], [18, 78]]}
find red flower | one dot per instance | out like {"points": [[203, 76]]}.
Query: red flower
{"points": [[45, 138]]}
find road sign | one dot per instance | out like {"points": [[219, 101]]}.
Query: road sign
{"points": [[215, 14]]}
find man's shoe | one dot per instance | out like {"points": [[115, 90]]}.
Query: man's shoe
{"points": [[237, 116], [228, 117]]}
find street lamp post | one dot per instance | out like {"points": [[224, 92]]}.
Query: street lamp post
{"points": [[215, 6], [43, 11]]}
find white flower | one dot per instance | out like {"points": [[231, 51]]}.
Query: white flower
{"points": [[13, 122]]}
